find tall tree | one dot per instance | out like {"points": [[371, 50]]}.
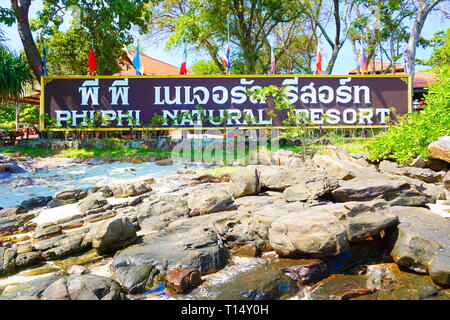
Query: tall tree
{"points": [[424, 7], [107, 22]]}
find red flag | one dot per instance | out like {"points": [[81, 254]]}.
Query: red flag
{"points": [[92, 63], [183, 68], [319, 61]]}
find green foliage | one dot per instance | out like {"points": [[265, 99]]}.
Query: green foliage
{"points": [[205, 67], [441, 53], [410, 138], [107, 23], [14, 74], [29, 115]]}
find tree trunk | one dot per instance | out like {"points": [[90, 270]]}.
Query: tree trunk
{"points": [[422, 13], [21, 8], [17, 115], [333, 58]]}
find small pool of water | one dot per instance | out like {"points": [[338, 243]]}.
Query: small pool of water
{"points": [[22, 186]]}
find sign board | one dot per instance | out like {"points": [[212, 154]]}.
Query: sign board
{"points": [[153, 102]]}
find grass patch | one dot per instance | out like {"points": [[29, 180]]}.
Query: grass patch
{"points": [[113, 154], [27, 151]]}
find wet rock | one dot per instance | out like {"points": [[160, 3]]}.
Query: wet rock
{"points": [[341, 169], [312, 187], [112, 235], [421, 242], [246, 181], [316, 234], [396, 192], [340, 287], [35, 202], [67, 197], [93, 287], [307, 272], [210, 201], [47, 232], [179, 248], [27, 259], [94, 201], [183, 280], [365, 219], [130, 189], [440, 149], [426, 175], [164, 162], [95, 162], [7, 260]]}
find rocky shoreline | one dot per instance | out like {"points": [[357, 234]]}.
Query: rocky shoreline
{"points": [[331, 227]]}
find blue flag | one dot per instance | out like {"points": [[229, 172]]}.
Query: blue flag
{"points": [[137, 61], [43, 66]]}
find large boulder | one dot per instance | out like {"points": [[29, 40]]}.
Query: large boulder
{"points": [[261, 156], [364, 219], [93, 287], [111, 235], [312, 187], [288, 158], [92, 203], [280, 178], [13, 223], [35, 202], [135, 267], [130, 189], [342, 169], [245, 181], [161, 209], [209, 201], [426, 175], [317, 234], [421, 242], [440, 149], [396, 192]]}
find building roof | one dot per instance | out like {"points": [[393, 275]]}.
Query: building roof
{"points": [[151, 66], [421, 79]]}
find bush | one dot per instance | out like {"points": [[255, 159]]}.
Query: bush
{"points": [[411, 136]]}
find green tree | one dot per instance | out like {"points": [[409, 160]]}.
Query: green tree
{"points": [[205, 67], [107, 22], [441, 54]]}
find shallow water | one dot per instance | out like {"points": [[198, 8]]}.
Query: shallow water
{"points": [[79, 176]]}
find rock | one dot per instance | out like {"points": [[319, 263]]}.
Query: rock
{"points": [[12, 211], [63, 245], [246, 181], [309, 271], [47, 232], [76, 270], [41, 170], [419, 162], [445, 181], [67, 197], [316, 234], [92, 202], [198, 248], [35, 202], [27, 259], [56, 291], [396, 192], [340, 287], [440, 149], [93, 287], [137, 160], [161, 209], [280, 178], [341, 169], [130, 189], [7, 260], [112, 235], [33, 288], [365, 219], [183, 280], [95, 162], [164, 162], [261, 156], [312, 187], [11, 224], [288, 158], [210, 201], [421, 242], [426, 175]]}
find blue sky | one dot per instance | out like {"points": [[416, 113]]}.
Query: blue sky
{"points": [[344, 63]]}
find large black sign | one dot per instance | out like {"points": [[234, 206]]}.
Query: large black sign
{"points": [[221, 101]]}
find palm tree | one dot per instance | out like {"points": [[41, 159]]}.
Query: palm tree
{"points": [[15, 74]]}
